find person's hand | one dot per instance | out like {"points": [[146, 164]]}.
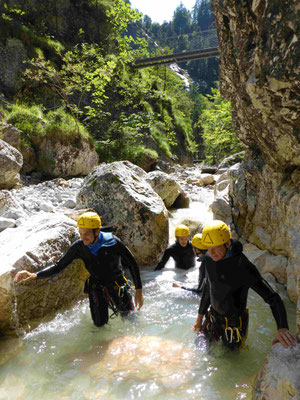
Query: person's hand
{"points": [[176, 284], [138, 299], [285, 338], [158, 268], [23, 276], [198, 323]]}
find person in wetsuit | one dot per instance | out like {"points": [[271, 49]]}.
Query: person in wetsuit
{"points": [[199, 250], [102, 254], [181, 251], [229, 275]]}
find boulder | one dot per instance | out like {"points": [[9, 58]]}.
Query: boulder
{"points": [[280, 376], [12, 136], [9, 207], [270, 222], [11, 162], [120, 194], [168, 189], [267, 262], [59, 159], [40, 241]]}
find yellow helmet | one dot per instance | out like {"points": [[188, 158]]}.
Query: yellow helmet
{"points": [[215, 233], [89, 220], [197, 242], [182, 230]]}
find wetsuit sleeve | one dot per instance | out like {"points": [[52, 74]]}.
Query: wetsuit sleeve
{"points": [[201, 275], [167, 254], [56, 268], [275, 302], [205, 299], [196, 291], [130, 262]]}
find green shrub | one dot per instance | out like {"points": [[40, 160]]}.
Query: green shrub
{"points": [[28, 120], [158, 132], [64, 127]]}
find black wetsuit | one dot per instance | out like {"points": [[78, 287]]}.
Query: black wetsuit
{"points": [[201, 278], [106, 285], [184, 257], [225, 294]]}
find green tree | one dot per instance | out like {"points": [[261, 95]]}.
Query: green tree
{"points": [[181, 20], [218, 134]]}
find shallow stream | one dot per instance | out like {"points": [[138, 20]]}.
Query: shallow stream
{"points": [[154, 354]]}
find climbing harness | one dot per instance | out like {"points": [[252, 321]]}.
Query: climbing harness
{"points": [[233, 335]]}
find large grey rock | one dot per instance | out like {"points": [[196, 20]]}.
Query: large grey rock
{"points": [[168, 189], [279, 379], [12, 136], [120, 194], [11, 161], [270, 222], [60, 159], [40, 241]]}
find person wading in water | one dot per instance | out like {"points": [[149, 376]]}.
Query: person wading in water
{"points": [[199, 250], [103, 254], [181, 251], [229, 275]]}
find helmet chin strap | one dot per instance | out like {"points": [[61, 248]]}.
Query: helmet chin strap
{"points": [[95, 236]]}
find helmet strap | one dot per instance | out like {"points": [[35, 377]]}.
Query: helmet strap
{"points": [[95, 236]]}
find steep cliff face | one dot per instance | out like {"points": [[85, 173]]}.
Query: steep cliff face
{"points": [[259, 67], [260, 73]]}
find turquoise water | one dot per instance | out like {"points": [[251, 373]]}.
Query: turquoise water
{"points": [[154, 354]]}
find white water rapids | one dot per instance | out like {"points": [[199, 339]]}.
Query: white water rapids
{"points": [[154, 354]]}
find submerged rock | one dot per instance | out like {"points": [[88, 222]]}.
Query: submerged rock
{"points": [[145, 358]]}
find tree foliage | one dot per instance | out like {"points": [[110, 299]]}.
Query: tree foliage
{"points": [[218, 132]]}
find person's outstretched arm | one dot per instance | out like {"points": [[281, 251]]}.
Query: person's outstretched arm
{"points": [[71, 254], [283, 336]]}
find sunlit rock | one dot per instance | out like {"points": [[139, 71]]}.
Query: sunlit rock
{"points": [[10, 208], [40, 241], [268, 221], [168, 189], [121, 195], [59, 159], [202, 180], [11, 161], [280, 376], [267, 262], [12, 136], [145, 358]]}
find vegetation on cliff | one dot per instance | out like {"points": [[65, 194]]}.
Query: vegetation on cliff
{"points": [[75, 57]]}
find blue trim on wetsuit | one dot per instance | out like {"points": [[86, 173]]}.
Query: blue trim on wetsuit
{"points": [[106, 239]]}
